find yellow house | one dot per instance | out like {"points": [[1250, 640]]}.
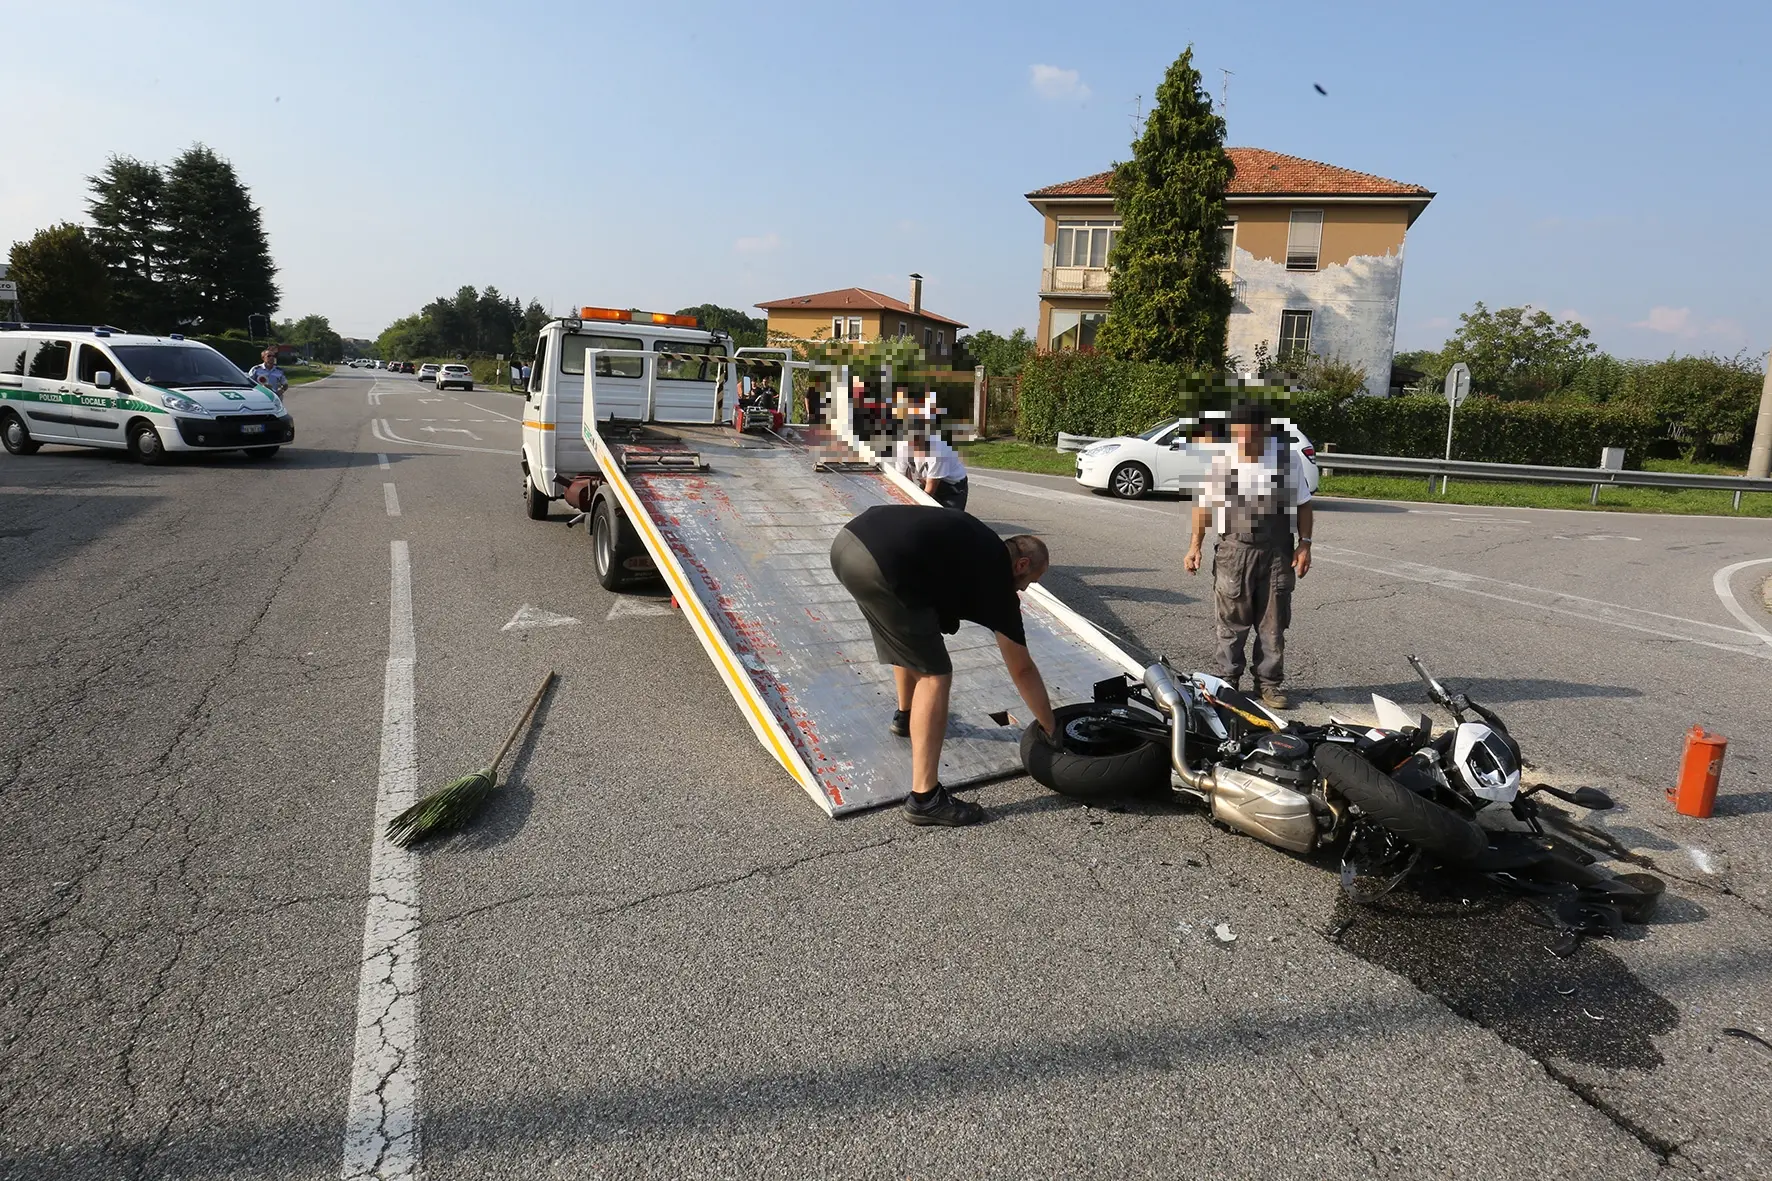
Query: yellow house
{"points": [[1313, 253], [855, 313]]}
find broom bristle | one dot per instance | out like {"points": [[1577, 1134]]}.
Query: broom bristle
{"points": [[444, 810]]}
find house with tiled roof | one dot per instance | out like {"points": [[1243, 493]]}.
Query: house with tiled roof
{"points": [[1313, 253], [855, 313]]}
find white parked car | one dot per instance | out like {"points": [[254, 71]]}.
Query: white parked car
{"points": [[455, 375], [427, 372], [1171, 454]]}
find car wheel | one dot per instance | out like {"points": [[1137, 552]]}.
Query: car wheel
{"points": [[145, 444], [16, 438], [1130, 481], [262, 452]]}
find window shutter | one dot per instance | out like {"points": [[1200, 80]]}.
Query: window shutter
{"points": [[1304, 239]]}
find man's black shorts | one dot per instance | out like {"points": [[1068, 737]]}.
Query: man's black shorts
{"points": [[909, 637]]}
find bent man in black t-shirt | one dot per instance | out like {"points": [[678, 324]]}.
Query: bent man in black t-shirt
{"points": [[916, 572]]}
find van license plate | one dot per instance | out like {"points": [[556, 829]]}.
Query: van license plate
{"points": [[252, 428]]}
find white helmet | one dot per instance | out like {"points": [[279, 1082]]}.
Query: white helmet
{"points": [[1485, 763]]}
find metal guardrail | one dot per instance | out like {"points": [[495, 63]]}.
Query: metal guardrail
{"points": [[1471, 469]]}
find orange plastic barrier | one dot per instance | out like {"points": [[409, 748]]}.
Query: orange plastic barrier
{"points": [[1700, 768]]}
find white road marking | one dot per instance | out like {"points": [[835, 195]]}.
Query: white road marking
{"points": [[626, 605], [384, 433], [381, 460], [392, 497], [381, 1119], [528, 617], [452, 430], [1720, 583]]}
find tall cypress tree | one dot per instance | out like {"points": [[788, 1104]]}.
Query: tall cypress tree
{"points": [[1168, 301], [217, 259], [126, 231]]}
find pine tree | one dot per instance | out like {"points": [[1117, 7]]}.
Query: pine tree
{"points": [[127, 232], [217, 260], [61, 277], [1168, 301]]}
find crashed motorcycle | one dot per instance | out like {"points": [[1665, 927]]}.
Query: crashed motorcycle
{"points": [[1393, 798]]}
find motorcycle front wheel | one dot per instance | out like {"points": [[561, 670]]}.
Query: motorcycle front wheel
{"points": [[1100, 760], [1436, 831]]}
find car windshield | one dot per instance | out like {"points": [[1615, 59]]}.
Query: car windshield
{"points": [[1150, 436], [179, 366]]}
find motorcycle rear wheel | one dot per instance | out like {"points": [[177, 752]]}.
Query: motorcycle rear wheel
{"points": [[1110, 770], [1436, 831]]}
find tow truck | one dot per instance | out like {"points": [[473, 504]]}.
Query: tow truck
{"points": [[647, 426]]}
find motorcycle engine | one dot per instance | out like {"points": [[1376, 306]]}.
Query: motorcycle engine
{"points": [[1283, 758]]}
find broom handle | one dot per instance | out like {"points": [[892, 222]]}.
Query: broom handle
{"points": [[523, 721]]}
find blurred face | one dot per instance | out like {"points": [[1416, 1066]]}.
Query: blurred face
{"points": [[1249, 436]]}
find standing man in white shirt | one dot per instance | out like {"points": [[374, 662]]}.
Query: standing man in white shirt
{"points": [[1256, 494], [267, 374]]}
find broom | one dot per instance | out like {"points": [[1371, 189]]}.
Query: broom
{"points": [[451, 807]]}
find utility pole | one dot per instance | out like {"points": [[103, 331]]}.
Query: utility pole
{"points": [[1759, 461]]}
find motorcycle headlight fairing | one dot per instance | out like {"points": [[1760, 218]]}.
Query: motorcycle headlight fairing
{"points": [[1485, 763]]}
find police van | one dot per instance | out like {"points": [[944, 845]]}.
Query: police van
{"points": [[92, 386], [649, 367]]}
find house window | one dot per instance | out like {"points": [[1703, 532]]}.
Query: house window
{"points": [[928, 338], [1074, 330], [1304, 239], [836, 328], [1084, 243], [1227, 244], [941, 342], [1295, 334], [855, 328], [904, 330]]}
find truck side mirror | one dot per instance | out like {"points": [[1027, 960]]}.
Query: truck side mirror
{"points": [[102, 379]]}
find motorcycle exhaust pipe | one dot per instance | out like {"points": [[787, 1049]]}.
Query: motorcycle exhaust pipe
{"points": [[1175, 702]]}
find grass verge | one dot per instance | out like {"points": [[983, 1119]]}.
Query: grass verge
{"points": [[1014, 456], [303, 374]]}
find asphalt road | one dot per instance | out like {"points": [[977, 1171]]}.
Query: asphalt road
{"points": [[656, 958]]}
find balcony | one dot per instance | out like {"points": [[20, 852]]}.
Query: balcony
{"points": [[1074, 281]]}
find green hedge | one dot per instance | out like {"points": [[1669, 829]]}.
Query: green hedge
{"points": [[244, 353], [1087, 394]]}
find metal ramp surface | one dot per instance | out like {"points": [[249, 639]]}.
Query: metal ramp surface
{"points": [[748, 543]]}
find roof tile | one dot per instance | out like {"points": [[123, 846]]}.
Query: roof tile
{"points": [[1263, 173], [846, 298]]}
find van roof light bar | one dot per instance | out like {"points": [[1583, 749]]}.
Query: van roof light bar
{"points": [[632, 315]]}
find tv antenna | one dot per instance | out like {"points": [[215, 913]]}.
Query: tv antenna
{"points": [[1137, 113], [1224, 90]]}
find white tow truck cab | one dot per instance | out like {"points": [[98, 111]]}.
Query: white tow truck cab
{"points": [[93, 386], [649, 367]]}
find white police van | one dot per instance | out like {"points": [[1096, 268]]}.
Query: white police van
{"points": [[150, 395]]}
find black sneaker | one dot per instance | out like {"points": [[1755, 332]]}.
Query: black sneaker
{"points": [[942, 809], [901, 723]]}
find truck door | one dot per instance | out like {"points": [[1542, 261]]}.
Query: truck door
{"points": [[538, 423], [52, 412]]}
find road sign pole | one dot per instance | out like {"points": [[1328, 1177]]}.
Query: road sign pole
{"points": [[1458, 388]]}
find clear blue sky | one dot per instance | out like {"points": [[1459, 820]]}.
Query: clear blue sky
{"points": [[1602, 160]]}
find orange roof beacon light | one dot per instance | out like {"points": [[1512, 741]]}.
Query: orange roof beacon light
{"points": [[638, 316]]}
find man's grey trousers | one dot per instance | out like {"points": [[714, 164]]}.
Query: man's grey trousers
{"points": [[1252, 585]]}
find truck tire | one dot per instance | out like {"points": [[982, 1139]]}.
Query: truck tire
{"points": [[1436, 831], [1131, 768], [613, 542], [535, 503]]}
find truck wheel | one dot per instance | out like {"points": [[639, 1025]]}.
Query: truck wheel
{"points": [[14, 435], [534, 502], [606, 545], [1436, 831], [1095, 767], [145, 445]]}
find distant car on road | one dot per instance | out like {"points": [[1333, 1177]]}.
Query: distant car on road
{"points": [[1162, 458], [427, 372], [459, 375]]}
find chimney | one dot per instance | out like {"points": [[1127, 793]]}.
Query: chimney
{"points": [[916, 294]]}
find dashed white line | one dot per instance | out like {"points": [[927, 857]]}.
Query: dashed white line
{"points": [[381, 460], [392, 496], [381, 1118]]}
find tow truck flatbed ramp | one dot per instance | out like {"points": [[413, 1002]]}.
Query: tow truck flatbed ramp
{"points": [[743, 538]]}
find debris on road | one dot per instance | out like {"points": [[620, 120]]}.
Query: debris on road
{"points": [[452, 807], [1224, 933]]}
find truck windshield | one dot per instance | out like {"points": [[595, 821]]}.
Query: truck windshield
{"points": [[572, 355], [688, 362], [179, 366]]}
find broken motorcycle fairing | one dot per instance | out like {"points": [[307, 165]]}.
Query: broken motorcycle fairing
{"points": [[1393, 798]]}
